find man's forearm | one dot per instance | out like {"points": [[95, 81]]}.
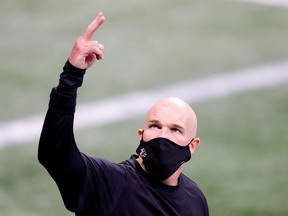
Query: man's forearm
{"points": [[57, 133]]}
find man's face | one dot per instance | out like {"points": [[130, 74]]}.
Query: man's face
{"points": [[172, 120]]}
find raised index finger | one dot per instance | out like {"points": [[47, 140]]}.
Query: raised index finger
{"points": [[94, 25]]}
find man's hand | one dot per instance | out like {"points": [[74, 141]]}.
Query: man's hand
{"points": [[85, 51]]}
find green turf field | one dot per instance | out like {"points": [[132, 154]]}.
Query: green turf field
{"points": [[241, 163]]}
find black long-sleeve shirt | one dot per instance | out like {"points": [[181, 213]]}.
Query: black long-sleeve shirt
{"points": [[91, 186]]}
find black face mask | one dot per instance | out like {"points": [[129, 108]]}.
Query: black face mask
{"points": [[162, 157]]}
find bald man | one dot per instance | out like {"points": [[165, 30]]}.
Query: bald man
{"points": [[150, 183]]}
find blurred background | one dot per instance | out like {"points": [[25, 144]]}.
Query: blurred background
{"points": [[241, 163]]}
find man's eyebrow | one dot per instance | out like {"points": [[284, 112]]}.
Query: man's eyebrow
{"points": [[178, 127], [154, 121]]}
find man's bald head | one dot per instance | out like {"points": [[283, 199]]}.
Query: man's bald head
{"points": [[173, 119], [171, 112]]}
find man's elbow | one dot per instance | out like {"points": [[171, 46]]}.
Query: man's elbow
{"points": [[43, 156]]}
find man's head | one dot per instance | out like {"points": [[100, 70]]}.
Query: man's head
{"points": [[168, 139], [171, 118]]}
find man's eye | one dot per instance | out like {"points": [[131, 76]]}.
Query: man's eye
{"points": [[154, 126], [176, 130]]}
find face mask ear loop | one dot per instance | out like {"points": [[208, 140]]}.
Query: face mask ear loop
{"points": [[142, 135], [190, 141]]}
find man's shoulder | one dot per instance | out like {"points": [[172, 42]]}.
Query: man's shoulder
{"points": [[129, 164], [188, 181], [194, 191], [191, 185]]}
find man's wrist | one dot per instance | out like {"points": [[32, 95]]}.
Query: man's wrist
{"points": [[70, 79]]}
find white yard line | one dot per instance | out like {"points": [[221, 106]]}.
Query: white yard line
{"points": [[269, 2], [134, 104]]}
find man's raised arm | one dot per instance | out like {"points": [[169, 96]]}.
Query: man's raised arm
{"points": [[57, 150]]}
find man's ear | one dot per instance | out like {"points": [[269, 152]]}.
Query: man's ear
{"points": [[194, 144], [140, 133]]}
